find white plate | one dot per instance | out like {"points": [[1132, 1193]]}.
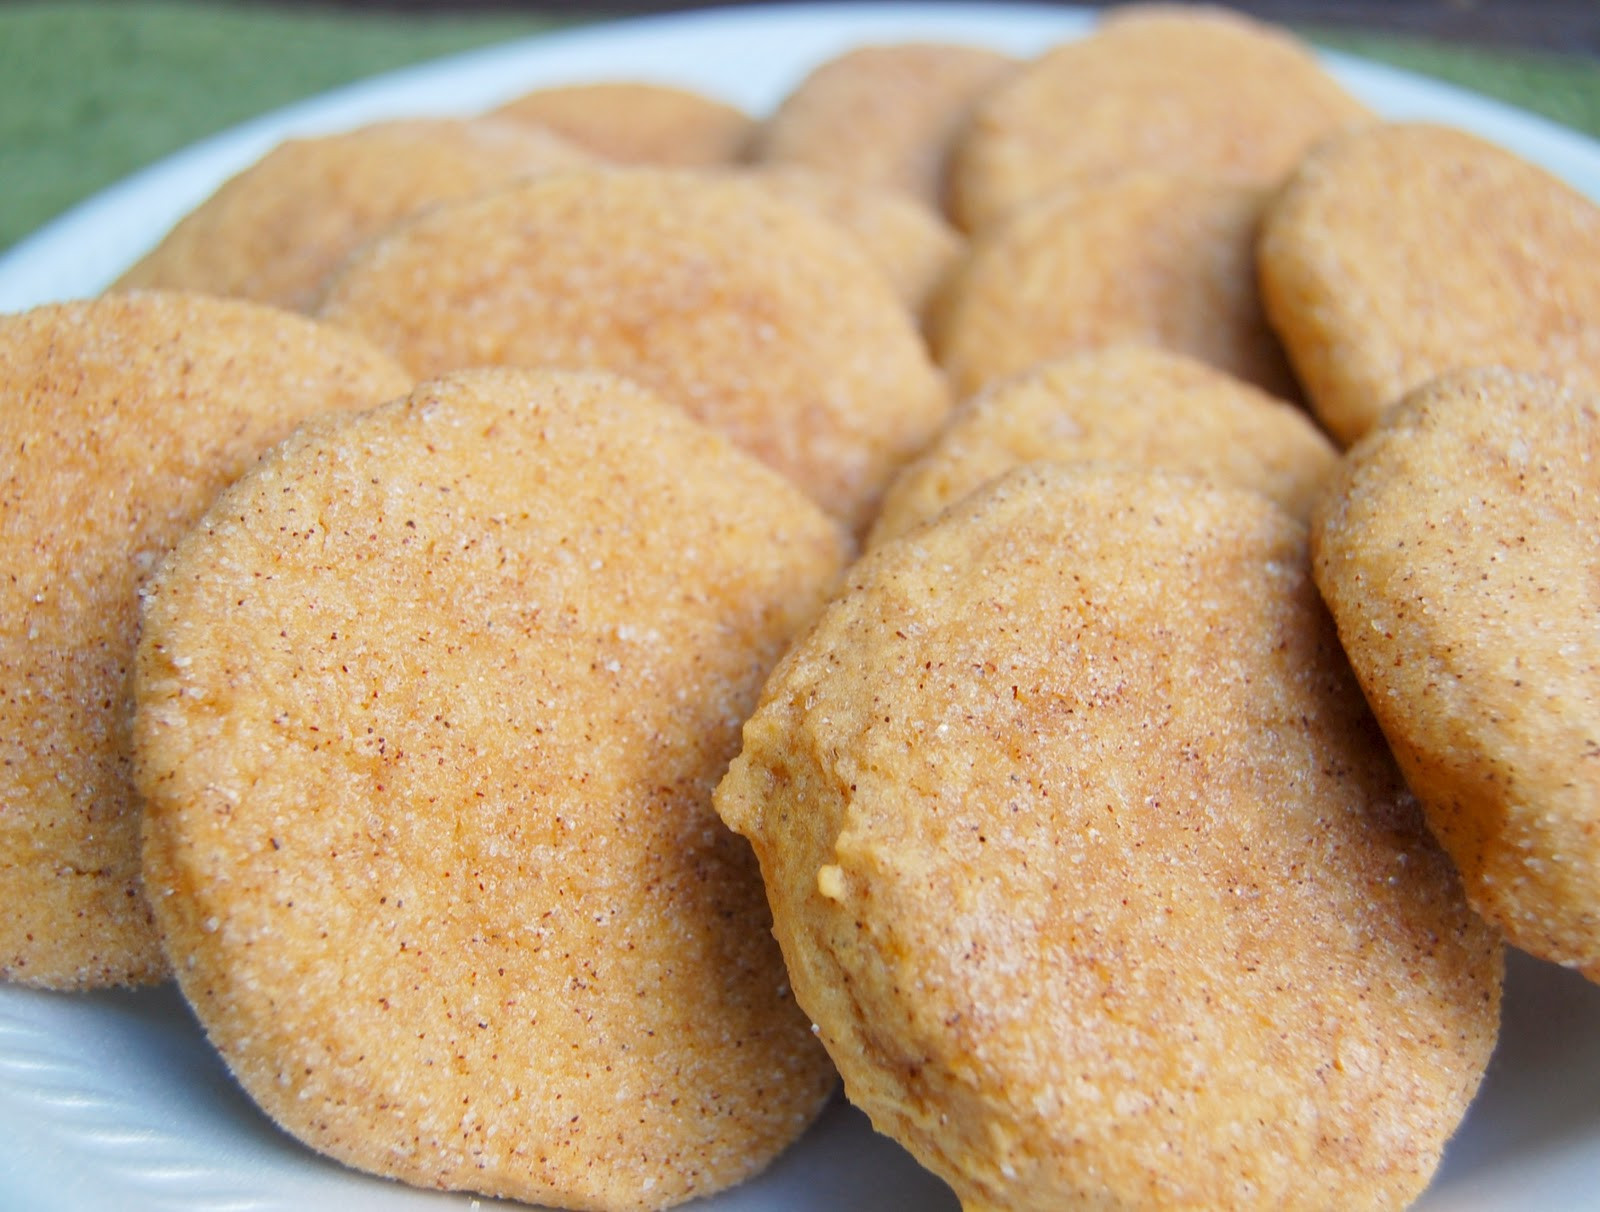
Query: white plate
{"points": [[115, 1100]]}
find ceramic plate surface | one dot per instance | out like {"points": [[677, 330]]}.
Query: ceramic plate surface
{"points": [[114, 1100]]}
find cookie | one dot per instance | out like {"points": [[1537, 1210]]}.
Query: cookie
{"points": [[1403, 251], [1128, 403], [1094, 872], [275, 231], [754, 315], [430, 709], [121, 419], [908, 241], [1457, 551], [633, 122], [883, 115], [1189, 90], [1149, 257]]}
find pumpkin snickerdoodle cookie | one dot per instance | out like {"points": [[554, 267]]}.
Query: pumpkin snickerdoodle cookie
{"points": [[883, 115], [1191, 90], [1149, 257], [275, 231], [1090, 865], [636, 122], [1457, 549], [1400, 252], [751, 313], [120, 419], [431, 705], [1129, 404]]}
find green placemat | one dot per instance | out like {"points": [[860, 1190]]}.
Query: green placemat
{"points": [[90, 91], [1563, 87]]}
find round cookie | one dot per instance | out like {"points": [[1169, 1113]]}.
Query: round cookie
{"points": [[1457, 551], [1126, 403], [909, 242], [121, 418], [1147, 257], [883, 115], [637, 123], [1400, 252], [757, 317], [276, 230], [1190, 90], [1094, 872], [430, 709]]}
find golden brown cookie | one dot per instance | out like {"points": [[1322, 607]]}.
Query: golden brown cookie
{"points": [[1127, 403], [909, 242], [1094, 872], [1148, 257], [430, 709], [1403, 251], [637, 123], [121, 418], [1191, 90], [1457, 549], [276, 230], [759, 318], [883, 115]]}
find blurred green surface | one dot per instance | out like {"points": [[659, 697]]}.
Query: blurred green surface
{"points": [[1563, 87], [90, 91]]}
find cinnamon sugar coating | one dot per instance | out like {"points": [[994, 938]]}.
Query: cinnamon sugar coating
{"points": [[1147, 256], [275, 231], [752, 314], [1094, 872], [883, 115], [1400, 252], [1188, 89], [1457, 549], [120, 419], [1125, 403], [635, 122], [430, 709], [913, 246]]}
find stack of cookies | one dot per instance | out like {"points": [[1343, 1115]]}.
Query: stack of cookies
{"points": [[1114, 533]]}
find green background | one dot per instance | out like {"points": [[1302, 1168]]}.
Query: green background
{"points": [[91, 91]]}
